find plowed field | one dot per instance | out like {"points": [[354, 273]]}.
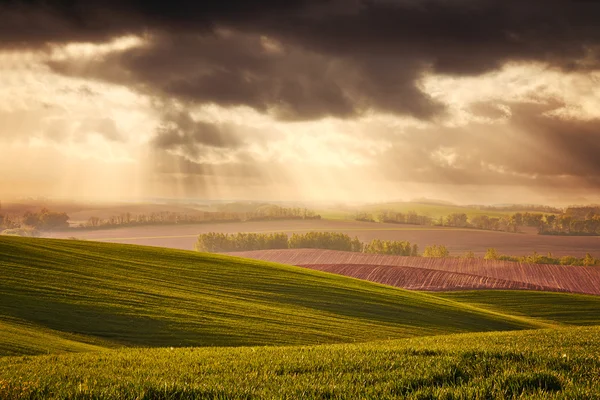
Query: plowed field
{"points": [[439, 274]]}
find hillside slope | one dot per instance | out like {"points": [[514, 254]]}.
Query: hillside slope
{"points": [[562, 278], [124, 295], [557, 308]]}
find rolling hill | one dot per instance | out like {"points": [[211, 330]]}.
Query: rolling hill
{"points": [[559, 308], [65, 295]]}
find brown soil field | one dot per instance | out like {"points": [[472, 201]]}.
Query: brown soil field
{"points": [[479, 273], [414, 278], [458, 241]]}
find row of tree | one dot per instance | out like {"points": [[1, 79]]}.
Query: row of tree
{"points": [[549, 224], [508, 223], [411, 217], [222, 242], [573, 222], [535, 258], [168, 218], [47, 220]]}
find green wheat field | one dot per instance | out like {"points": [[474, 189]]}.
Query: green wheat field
{"points": [[85, 320]]}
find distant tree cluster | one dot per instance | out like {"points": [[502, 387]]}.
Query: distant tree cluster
{"points": [[168, 218], [391, 247], [223, 242], [575, 221], [508, 223], [364, 217], [436, 251], [324, 240], [411, 218], [30, 223], [535, 258]]}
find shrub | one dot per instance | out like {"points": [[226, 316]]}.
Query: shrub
{"points": [[437, 251], [491, 254]]}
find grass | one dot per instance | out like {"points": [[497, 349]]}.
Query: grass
{"points": [[547, 307], [77, 294], [136, 317], [543, 364], [19, 338]]}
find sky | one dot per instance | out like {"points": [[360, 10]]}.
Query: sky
{"points": [[470, 101]]}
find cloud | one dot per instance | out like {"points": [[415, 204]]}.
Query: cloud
{"points": [[182, 133], [299, 62], [310, 59]]}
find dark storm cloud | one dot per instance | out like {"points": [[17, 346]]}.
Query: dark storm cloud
{"points": [[338, 58], [31, 23], [309, 59]]}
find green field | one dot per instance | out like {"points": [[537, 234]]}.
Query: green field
{"points": [[134, 322], [124, 295], [544, 364], [551, 308]]}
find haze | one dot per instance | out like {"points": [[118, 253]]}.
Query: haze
{"points": [[472, 101]]}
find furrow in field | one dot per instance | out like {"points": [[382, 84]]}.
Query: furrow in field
{"points": [[414, 278], [572, 279]]}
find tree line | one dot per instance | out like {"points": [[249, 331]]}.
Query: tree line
{"points": [[29, 223], [508, 223], [214, 242], [579, 221], [271, 213], [535, 258], [574, 221]]}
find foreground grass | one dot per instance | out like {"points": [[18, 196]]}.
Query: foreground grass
{"points": [[109, 295], [547, 307], [542, 364]]}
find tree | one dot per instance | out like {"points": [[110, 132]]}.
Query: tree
{"points": [[551, 221], [31, 219], [50, 220], [589, 260], [437, 251], [491, 254], [457, 219]]}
